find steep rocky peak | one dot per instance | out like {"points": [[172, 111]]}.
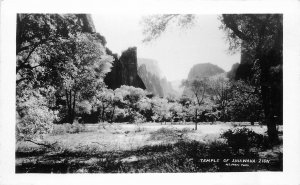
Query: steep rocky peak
{"points": [[204, 70]]}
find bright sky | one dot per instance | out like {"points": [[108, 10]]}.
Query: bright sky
{"points": [[177, 50]]}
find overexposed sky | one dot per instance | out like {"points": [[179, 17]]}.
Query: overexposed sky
{"points": [[177, 50]]}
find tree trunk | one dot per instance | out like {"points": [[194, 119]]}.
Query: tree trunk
{"points": [[102, 113], [267, 102], [68, 106], [112, 114], [73, 109], [269, 116], [196, 120], [70, 110]]}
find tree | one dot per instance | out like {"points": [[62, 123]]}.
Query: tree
{"points": [[34, 118], [145, 107], [37, 33], [35, 95], [161, 109], [260, 36], [220, 90], [83, 72], [104, 102], [58, 64], [199, 88], [176, 111], [129, 100], [186, 102], [245, 104], [155, 25]]}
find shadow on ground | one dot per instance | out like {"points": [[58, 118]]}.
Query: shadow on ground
{"points": [[183, 156]]}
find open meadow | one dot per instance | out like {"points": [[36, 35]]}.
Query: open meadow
{"points": [[147, 147]]}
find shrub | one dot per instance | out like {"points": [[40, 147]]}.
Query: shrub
{"points": [[34, 118], [138, 118], [76, 128], [243, 138]]}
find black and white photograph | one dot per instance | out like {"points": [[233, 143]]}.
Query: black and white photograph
{"points": [[149, 92], [174, 102]]}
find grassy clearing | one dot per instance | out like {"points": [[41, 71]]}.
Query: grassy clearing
{"points": [[138, 148]]}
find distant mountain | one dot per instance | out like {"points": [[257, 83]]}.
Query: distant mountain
{"points": [[151, 65], [151, 76], [151, 81], [168, 88], [204, 70]]}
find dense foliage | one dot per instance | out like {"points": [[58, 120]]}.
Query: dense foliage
{"points": [[60, 65]]}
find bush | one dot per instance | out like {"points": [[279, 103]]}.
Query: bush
{"points": [[138, 118], [34, 118], [76, 128], [243, 138]]}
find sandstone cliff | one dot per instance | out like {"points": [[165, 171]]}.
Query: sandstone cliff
{"points": [[151, 75], [151, 81], [124, 70], [202, 70]]}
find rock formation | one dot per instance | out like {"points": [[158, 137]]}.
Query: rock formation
{"points": [[86, 23], [124, 70], [151, 75], [202, 70], [232, 73], [151, 81], [151, 65]]}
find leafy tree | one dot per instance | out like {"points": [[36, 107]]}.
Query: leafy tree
{"points": [[84, 71], [260, 36], [129, 99], [155, 25], [34, 118], [161, 109], [58, 65], [199, 89], [104, 102], [245, 104], [220, 90], [186, 102], [145, 107], [37, 33], [176, 111]]}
